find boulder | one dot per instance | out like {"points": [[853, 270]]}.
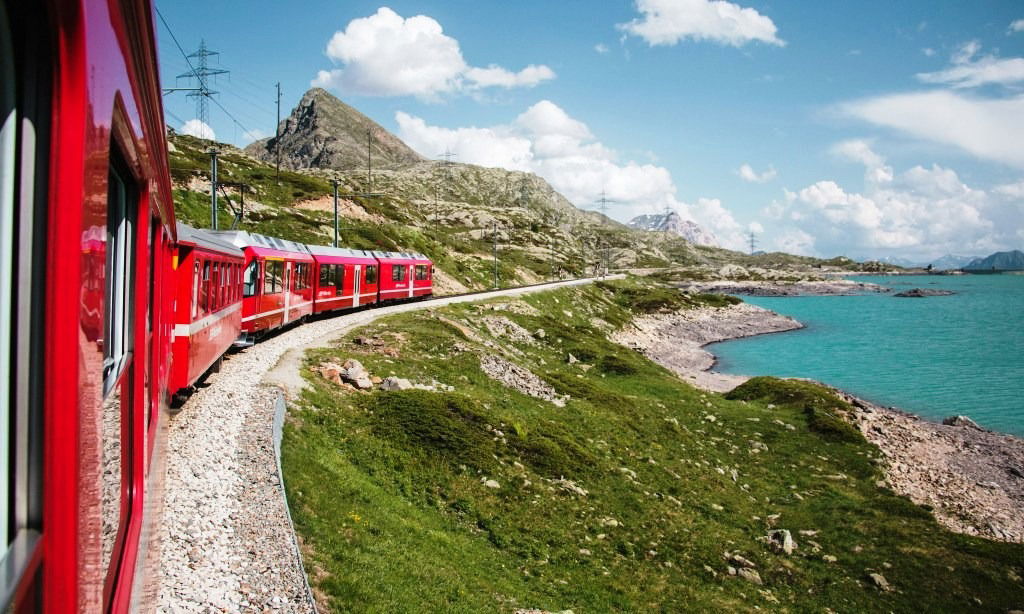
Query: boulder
{"points": [[395, 383], [961, 421], [354, 370], [781, 541], [749, 575], [879, 581], [923, 292], [362, 383]]}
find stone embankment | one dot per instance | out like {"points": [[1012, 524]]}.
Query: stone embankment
{"points": [[973, 479], [226, 541]]}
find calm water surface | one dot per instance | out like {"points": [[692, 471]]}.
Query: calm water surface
{"points": [[936, 356]]}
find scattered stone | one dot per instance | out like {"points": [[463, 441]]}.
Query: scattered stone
{"points": [[749, 575], [781, 540], [828, 558], [491, 483], [961, 421], [739, 560], [395, 383], [539, 333], [879, 581], [924, 292]]}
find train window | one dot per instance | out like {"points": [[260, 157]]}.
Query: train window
{"points": [[214, 286], [252, 274], [204, 289], [371, 274], [301, 276], [421, 272], [397, 272], [339, 279], [120, 277], [326, 278], [195, 291], [272, 283]]}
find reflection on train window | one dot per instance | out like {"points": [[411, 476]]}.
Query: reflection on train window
{"points": [[252, 274], [272, 283], [332, 276], [371, 274], [120, 277], [397, 273], [421, 272]]}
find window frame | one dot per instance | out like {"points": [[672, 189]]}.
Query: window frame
{"points": [[370, 272]]}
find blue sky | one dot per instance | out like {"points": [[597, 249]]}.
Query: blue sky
{"points": [[868, 129]]}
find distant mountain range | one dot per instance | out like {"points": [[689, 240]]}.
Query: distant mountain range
{"points": [[943, 263], [673, 223], [999, 261]]}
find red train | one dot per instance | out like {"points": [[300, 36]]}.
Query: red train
{"points": [[108, 306]]}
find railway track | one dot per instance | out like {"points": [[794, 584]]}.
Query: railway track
{"points": [[226, 540]]}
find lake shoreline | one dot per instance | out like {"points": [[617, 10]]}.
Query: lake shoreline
{"points": [[971, 478]]}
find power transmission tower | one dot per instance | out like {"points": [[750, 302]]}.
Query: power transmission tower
{"points": [[448, 155], [201, 73], [602, 204], [277, 133], [753, 242]]}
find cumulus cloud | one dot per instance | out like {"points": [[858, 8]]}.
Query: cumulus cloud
{"points": [[198, 129], [546, 140], [666, 22], [859, 150], [920, 213], [989, 128], [1011, 190], [601, 48], [1017, 26], [969, 71], [386, 54], [747, 173]]}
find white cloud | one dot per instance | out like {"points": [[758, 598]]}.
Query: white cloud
{"points": [[547, 141], [1017, 26], [1011, 190], [388, 55], [601, 48], [755, 227], [968, 71], [928, 51], [254, 135], [920, 213], [859, 150], [747, 173], [666, 22], [198, 129], [988, 128]]}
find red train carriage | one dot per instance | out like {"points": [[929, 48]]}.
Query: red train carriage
{"points": [[397, 272], [277, 282], [423, 276], [343, 278], [86, 228], [208, 303]]}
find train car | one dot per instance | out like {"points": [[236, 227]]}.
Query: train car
{"points": [[277, 282], [423, 277], [207, 306], [397, 270], [86, 234], [343, 278]]}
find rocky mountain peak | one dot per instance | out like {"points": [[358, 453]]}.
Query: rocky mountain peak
{"points": [[324, 132], [673, 223]]}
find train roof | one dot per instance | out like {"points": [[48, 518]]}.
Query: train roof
{"points": [[339, 252], [242, 238], [399, 256], [198, 237]]}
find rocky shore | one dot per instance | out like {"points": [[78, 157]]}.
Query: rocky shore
{"points": [[830, 287], [676, 340], [972, 479]]}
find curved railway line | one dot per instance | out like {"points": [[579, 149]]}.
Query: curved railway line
{"points": [[226, 540]]}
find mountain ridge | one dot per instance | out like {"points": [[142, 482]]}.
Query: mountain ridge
{"points": [[673, 223]]}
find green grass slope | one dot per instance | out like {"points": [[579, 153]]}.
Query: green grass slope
{"points": [[630, 498]]}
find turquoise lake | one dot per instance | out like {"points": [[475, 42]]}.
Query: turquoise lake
{"points": [[935, 357]]}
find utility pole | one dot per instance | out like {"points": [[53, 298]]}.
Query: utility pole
{"points": [[335, 183], [241, 199], [369, 175], [494, 236], [277, 134], [213, 187]]}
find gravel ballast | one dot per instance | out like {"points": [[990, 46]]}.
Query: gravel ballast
{"points": [[226, 542]]}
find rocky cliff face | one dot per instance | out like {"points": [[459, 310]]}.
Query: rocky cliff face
{"points": [[674, 224], [324, 132]]}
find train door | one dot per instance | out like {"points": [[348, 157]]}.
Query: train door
{"points": [[287, 292], [356, 283]]}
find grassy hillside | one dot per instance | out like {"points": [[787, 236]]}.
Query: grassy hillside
{"points": [[639, 494]]}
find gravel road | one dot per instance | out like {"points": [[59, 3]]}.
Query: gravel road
{"points": [[226, 543]]}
